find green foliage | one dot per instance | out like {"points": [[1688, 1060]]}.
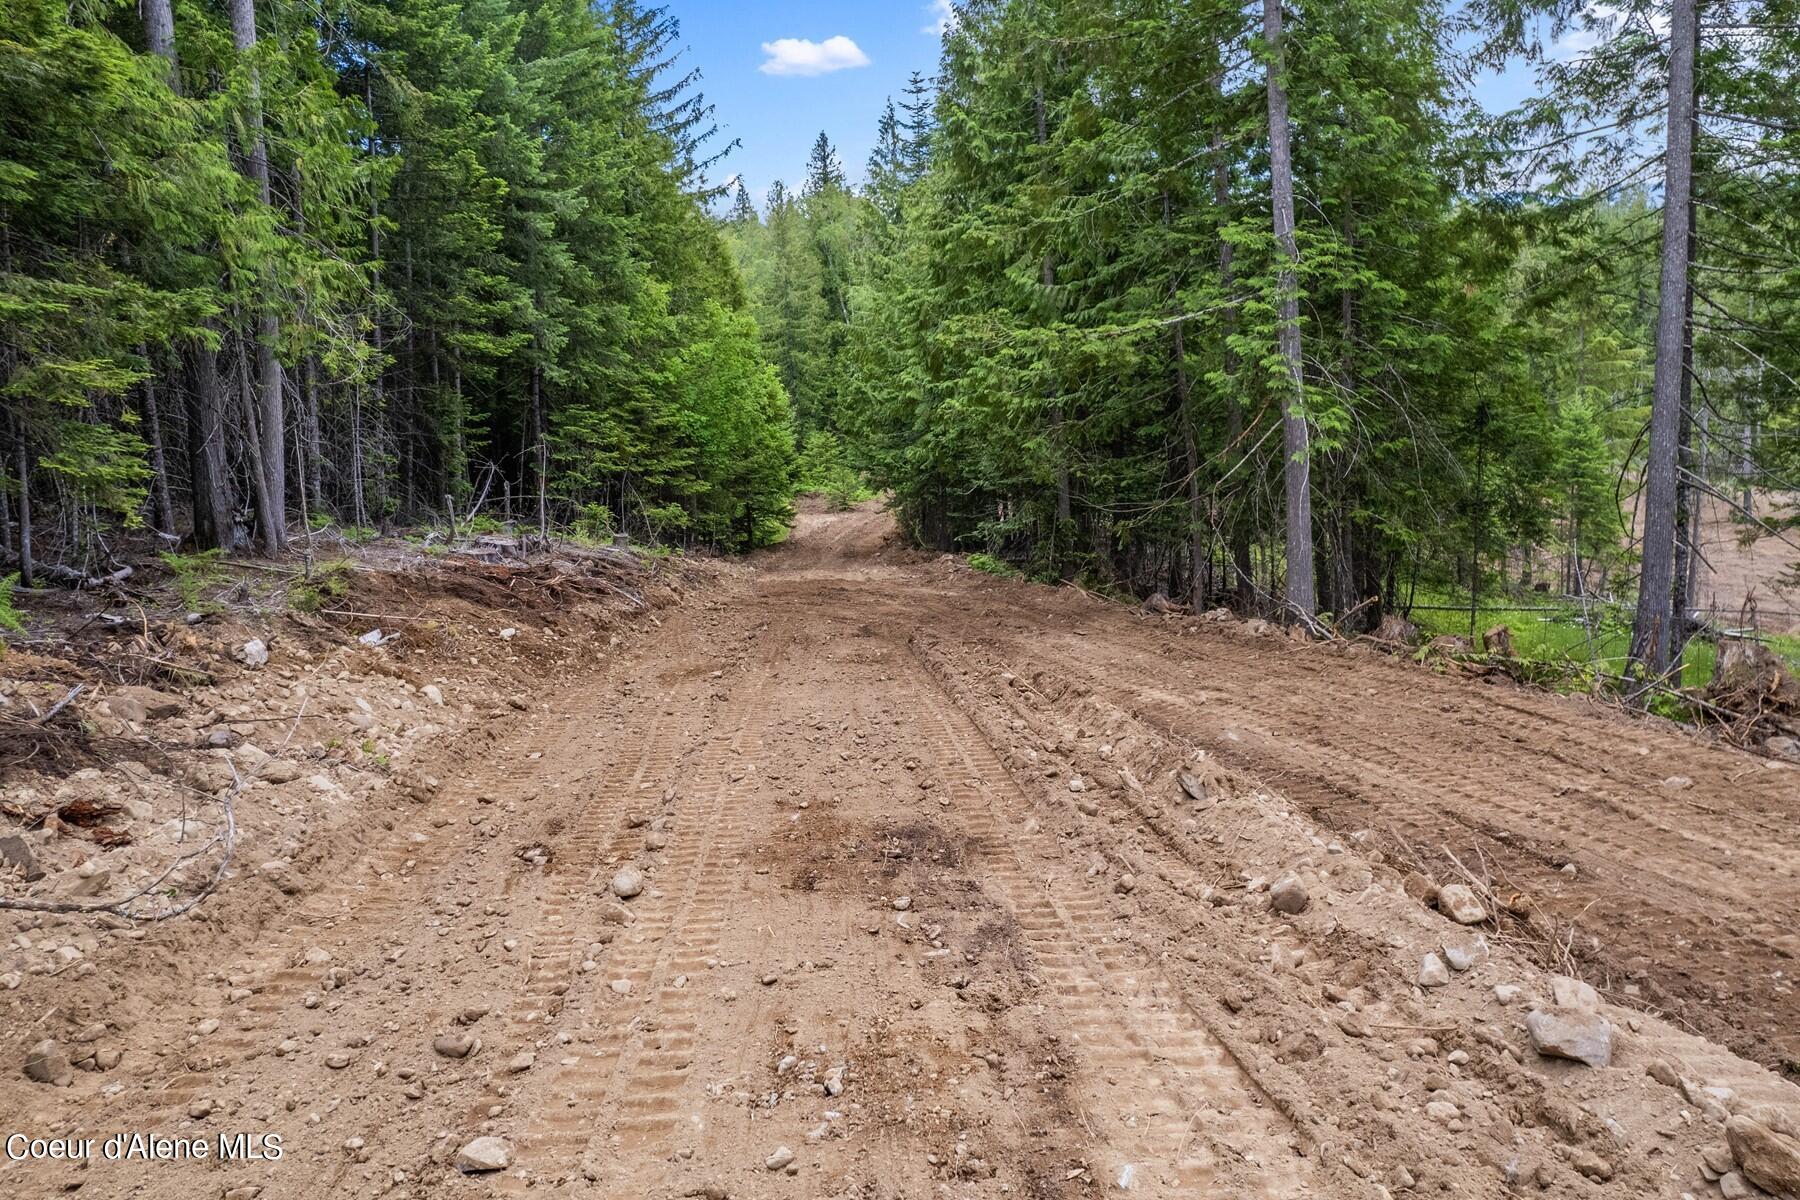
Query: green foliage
{"points": [[10, 619], [194, 574], [989, 565], [483, 245], [330, 582], [824, 468]]}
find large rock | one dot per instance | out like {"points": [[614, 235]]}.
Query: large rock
{"points": [[1457, 901], [16, 853], [1288, 896], [1769, 1158], [1568, 992], [46, 1063], [1571, 1033], [140, 704], [484, 1154]]}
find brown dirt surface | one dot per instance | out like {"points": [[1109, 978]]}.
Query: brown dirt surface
{"points": [[1749, 582], [949, 886]]}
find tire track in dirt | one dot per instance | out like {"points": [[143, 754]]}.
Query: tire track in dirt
{"points": [[669, 942], [1205, 1122], [566, 917], [1643, 880]]}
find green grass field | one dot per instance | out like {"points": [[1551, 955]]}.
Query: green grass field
{"points": [[1561, 636]]}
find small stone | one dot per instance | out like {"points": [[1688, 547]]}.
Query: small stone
{"points": [[521, 1062], [1076, 784], [199, 1110], [1442, 1111], [781, 1158], [484, 1154], [1733, 1187], [622, 986], [46, 1063], [1507, 993], [454, 1045], [1587, 1163], [1288, 895], [1458, 902], [1464, 953], [1433, 972], [253, 653], [902, 903], [337, 1060], [1419, 887], [1125, 884], [628, 882], [1571, 1033]]}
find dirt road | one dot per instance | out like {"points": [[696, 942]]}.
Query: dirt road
{"points": [[922, 907]]}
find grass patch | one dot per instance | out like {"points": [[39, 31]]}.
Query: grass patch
{"points": [[1577, 646], [194, 574], [987, 564], [330, 582]]}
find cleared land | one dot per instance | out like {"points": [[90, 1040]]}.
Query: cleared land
{"points": [[925, 902]]}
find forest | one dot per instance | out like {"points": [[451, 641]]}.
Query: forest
{"points": [[1226, 303]]}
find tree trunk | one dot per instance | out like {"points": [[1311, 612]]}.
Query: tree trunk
{"points": [[1244, 583], [1296, 471], [22, 468], [268, 512], [310, 435], [541, 450], [1651, 631], [159, 471], [270, 448], [159, 36], [1047, 276], [209, 485]]}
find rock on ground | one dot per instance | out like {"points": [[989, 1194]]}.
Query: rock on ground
{"points": [[484, 1154], [1458, 902], [1571, 1033], [1769, 1158], [1288, 896], [46, 1063]]}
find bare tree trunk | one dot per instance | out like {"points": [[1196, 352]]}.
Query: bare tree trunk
{"points": [[1651, 631], [268, 513], [22, 467], [1047, 276], [209, 485], [159, 35], [1296, 471], [310, 434], [358, 502], [159, 471], [542, 450], [1239, 527], [1199, 559], [270, 447], [6, 520]]}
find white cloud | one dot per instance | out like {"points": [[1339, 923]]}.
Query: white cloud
{"points": [[803, 56], [1595, 25], [943, 18]]}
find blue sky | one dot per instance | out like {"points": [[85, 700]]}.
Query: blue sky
{"points": [[830, 65]]}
